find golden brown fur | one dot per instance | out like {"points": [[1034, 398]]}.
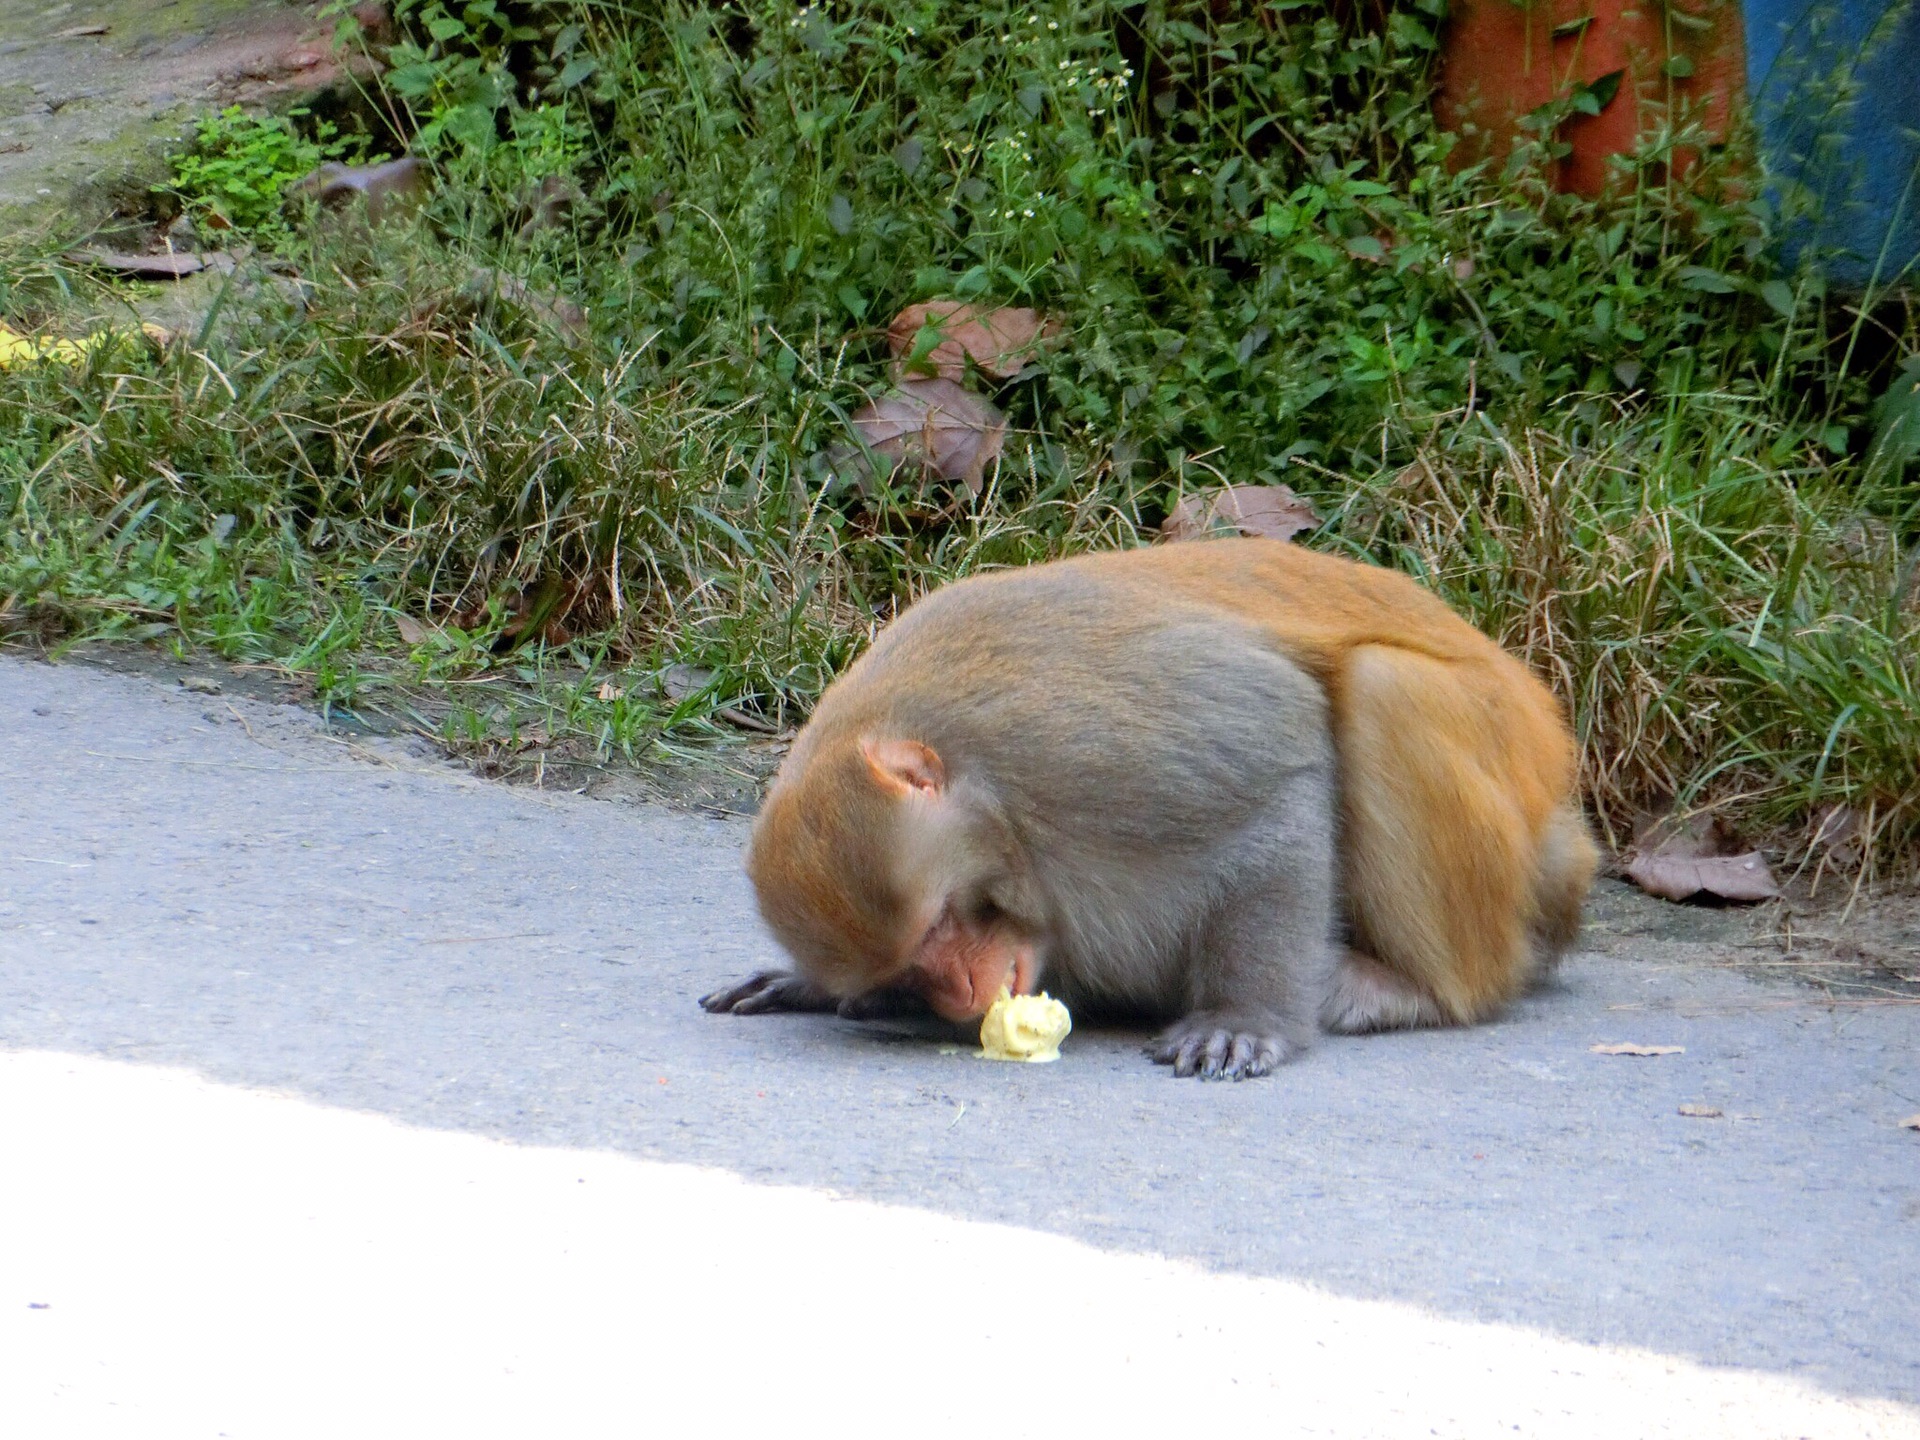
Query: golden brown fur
{"points": [[1464, 858], [1026, 758]]}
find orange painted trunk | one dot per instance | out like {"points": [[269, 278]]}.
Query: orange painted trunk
{"points": [[1502, 59]]}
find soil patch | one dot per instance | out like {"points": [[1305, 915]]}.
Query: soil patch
{"points": [[92, 92]]}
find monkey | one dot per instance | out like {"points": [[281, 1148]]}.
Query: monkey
{"points": [[1240, 788]]}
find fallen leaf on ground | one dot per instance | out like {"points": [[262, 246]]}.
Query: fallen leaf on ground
{"points": [[1631, 1049], [388, 188], [555, 311], [1680, 877], [679, 682], [75, 32], [1001, 342], [1702, 1112], [936, 425], [412, 631], [609, 692], [1270, 510], [1837, 829], [169, 265], [549, 204], [1912, 1122], [1681, 854]]}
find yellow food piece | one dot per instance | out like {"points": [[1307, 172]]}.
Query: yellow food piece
{"points": [[17, 350], [1024, 1027]]}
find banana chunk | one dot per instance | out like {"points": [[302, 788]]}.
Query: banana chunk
{"points": [[1024, 1027]]}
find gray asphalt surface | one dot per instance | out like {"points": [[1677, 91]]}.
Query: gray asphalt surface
{"points": [[223, 886]]}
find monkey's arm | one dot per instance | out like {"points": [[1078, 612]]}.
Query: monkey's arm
{"points": [[773, 992], [769, 992]]}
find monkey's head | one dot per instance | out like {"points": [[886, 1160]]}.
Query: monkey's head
{"points": [[876, 870]]}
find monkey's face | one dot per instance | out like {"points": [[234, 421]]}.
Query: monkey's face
{"points": [[965, 960], [825, 885], [871, 884]]}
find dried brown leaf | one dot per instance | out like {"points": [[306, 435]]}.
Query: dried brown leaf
{"points": [[1001, 342], [1675, 876], [609, 692], [165, 266], [681, 682], [1912, 1122], [565, 317], [1629, 1048], [412, 631], [935, 425], [389, 188], [1270, 510], [1702, 1112]]}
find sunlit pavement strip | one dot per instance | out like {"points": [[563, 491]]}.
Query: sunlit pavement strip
{"points": [[179, 1258]]}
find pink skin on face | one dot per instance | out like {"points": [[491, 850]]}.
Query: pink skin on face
{"points": [[961, 968]]}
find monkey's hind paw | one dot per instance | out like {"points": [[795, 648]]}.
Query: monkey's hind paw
{"points": [[1215, 1047], [768, 993]]}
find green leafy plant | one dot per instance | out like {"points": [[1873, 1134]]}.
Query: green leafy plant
{"points": [[240, 164], [1617, 432]]}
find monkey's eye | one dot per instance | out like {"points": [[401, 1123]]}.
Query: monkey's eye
{"points": [[983, 911]]}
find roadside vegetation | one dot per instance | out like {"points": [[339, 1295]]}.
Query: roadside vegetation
{"points": [[1618, 434]]}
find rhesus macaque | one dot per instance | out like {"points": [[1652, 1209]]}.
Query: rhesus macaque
{"points": [[1238, 786]]}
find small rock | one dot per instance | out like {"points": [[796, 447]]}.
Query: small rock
{"points": [[181, 235]]}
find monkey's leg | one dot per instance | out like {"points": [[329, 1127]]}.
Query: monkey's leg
{"points": [[1266, 961], [1367, 996], [1440, 861]]}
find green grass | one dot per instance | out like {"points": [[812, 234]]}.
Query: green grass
{"points": [[1612, 432]]}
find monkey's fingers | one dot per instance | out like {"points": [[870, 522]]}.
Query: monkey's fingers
{"points": [[890, 1004], [768, 992], [1216, 1051]]}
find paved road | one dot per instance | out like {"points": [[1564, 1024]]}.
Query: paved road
{"points": [[372, 969]]}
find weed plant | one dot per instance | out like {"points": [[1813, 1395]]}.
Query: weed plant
{"points": [[236, 172], [1613, 432]]}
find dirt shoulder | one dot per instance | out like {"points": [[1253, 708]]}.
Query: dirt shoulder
{"points": [[92, 92]]}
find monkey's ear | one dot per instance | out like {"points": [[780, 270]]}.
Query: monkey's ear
{"points": [[905, 767]]}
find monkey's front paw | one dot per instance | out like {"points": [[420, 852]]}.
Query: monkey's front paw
{"points": [[884, 1005], [767, 993], [1220, 1047]]}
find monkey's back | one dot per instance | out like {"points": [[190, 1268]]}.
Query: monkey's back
{"points": [[1128, 712]]}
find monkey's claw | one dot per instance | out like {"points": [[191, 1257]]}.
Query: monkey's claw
{"points": [[770, 992], [1217, 1049]]}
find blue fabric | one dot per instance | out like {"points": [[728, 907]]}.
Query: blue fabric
{"points": [[1835, 87]]}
